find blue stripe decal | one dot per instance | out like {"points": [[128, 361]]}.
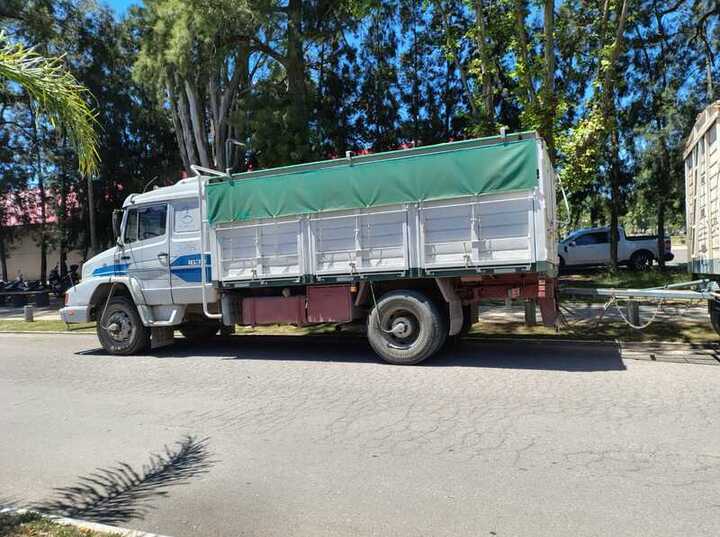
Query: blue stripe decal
{"points": [[190, 259], [187, 268], [120, 269]]}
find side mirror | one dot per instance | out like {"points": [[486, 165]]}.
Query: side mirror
{"points": [[117, 223]]}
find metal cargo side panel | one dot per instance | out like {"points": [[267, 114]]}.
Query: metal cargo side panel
{"points": [[478, 232], [360, 242], [261, 250]]}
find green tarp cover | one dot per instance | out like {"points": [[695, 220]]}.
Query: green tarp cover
{"points": [[454, 170]]}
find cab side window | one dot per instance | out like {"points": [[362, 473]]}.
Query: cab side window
{"points": [[151, 222], [187, 216], [131, 227]]}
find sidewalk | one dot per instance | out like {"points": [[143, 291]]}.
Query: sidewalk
{"points": [[44, 313], [573, 311]]}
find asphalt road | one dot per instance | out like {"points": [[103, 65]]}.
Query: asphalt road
{"points": [[314, 437]]}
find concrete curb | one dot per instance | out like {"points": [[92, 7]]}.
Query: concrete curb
{"points": [[82, 524], [72, 333]]}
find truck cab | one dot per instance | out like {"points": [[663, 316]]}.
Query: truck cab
{"points": [[154, 265]]}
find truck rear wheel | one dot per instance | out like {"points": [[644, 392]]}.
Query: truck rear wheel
{"points": [[405, 328], [641, 260], [120, 330]]}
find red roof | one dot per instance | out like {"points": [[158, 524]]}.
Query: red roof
{"points": [[24, 207]]}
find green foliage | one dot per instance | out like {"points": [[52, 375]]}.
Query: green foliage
{"points": [[297, 80], [57, 94]]}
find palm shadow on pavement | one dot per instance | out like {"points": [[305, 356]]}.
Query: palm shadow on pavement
{"points": [[117, 494]]}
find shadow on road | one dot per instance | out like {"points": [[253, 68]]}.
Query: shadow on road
{"points": [[120, 493], [515, 354]]}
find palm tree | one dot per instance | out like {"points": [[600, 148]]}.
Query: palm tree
{"points": [[58, 96]]}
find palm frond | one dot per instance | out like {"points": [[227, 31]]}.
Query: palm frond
{"points": [[58, 95]]}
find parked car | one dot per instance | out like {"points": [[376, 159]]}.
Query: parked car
{"points": [[591, 247]]}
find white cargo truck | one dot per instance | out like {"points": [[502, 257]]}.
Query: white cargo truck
{"points": [[407, 242], [702, 199], [702, 192]]}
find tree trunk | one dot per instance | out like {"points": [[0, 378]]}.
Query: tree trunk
{"points": [[41, 192], [447, 99], [548, 91], [3, 258], [610, 113], [217, 124], [62, 223], [197, 118], [486, 75], [185, 123], [297, 91], [91, 217], [614, 223], [661, 232], [524, 47], [222, 101], [177, 127]]}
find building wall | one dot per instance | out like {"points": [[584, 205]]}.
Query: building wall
{"points": [[24, 255]]}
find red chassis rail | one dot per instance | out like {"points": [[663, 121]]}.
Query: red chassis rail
{"points": [[475, 289]]}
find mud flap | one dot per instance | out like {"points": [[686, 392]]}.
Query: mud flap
{"points": [[548, 300], [161, 336], [454, 305]]}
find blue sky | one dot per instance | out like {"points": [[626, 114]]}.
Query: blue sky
{"points": [[120, 6]]}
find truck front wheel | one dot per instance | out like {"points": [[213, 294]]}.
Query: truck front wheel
{"points": [[405, 328], [120, 329]]}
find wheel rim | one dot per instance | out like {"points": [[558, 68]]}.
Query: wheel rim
{"points": [[120, 327], [400, 327], [641, 261]]}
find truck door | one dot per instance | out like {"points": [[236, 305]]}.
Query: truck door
{"points": [[590, 249], [146, 251], [185, 273]]}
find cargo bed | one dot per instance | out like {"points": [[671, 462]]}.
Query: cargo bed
{"points": [[483, 206]]}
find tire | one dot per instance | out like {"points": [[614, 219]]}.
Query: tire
{"points": [[425, 331], [641, 260], [120, 330], [199, 331]]}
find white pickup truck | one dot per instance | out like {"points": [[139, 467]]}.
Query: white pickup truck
{"points": [[591, 247]]}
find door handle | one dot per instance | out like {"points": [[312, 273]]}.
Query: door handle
{"points": [[125, 257], [163, 258]]}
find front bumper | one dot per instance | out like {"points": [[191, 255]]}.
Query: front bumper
{"points": [[75, 314]]}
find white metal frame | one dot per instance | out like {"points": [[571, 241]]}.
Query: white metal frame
{"points": [[352, 267], [261, 256], [472, 257]]}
